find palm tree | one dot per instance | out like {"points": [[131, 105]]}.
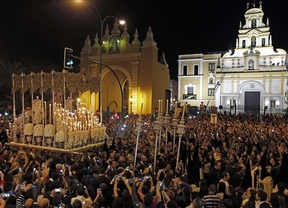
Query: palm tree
{"points": [[7, 68]]}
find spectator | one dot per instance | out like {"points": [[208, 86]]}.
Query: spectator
{"points": [[275, 196], [214, 174], [211, 200]]}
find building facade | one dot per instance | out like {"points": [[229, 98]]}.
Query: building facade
{"points": [[127, 64], [252, 78]]}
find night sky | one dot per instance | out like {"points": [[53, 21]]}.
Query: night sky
{"points": [[35, 32]]}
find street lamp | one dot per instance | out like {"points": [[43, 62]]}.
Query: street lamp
{"points": [[131, 103], [102, 21]]}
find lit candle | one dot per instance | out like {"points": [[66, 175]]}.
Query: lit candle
{"points": [[49, 113], [175, 107], [45, 113], [183, 112], [167, 107], [159, 107]]}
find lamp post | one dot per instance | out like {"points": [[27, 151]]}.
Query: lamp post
{"points": [[131, 103], [102, 21]]}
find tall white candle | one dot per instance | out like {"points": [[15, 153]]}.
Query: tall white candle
{"points": [[167, 106], [159, 107], [49, 113], [45, 113], [183, 112], [175, 107]]}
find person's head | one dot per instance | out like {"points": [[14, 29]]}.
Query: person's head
{"points": [[231, 190], [172, 204], [171, 194], [148, 199], [197, 203], [29, 203], [80, 190], [261, 195], [225, 175], [168, 167], [114, 164], [101, 202], [217, 165], [44, 203], [272, 161], [281, 186], [212, 188], [77, 204]]}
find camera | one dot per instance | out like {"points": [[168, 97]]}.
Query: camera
{"points": [[147, 177], [57, 190], [127, 168], [66, 165]]}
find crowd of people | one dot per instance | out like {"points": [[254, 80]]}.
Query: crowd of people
{"points": [[241, 161]]}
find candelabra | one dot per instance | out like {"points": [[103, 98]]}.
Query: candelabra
{"points": [[157, 128], [139, 130], [174, 125], [166, 122], [180, 132]]}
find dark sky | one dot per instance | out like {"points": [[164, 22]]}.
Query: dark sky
{"points": [[35, 32]]}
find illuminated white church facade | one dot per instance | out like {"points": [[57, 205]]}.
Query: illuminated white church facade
{"points": [[251, 78]]}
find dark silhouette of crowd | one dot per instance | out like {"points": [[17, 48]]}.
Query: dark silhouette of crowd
{"points": [[240, 161]]}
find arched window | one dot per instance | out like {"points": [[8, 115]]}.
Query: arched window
{"points": [[253, 23], [253, 41], [190, 89], [263, 41], [243, 43]]}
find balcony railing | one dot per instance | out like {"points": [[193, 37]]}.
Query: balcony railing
{"points": [[189, 97]]}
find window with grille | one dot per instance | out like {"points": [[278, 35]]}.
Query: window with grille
{"points": [[210, 92], [211, 67], [190, 90]]}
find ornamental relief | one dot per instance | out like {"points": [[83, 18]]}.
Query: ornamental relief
{"points": [[74, 82]]}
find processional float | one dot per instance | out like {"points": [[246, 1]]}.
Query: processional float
{"points": [[55, 124]]}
